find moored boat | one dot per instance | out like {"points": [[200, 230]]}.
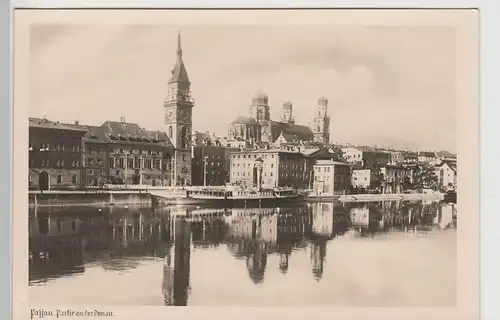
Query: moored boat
{"points": [[227, 195]]}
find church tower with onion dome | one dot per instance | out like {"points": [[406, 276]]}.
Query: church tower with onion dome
{"points": [[179, 119], [259, 109], [321, 122], [287, 116]]}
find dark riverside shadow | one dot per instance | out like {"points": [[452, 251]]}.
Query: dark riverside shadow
{"points": [[63, 242]]}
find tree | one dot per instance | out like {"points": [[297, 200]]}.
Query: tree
{"points": [[425, 177]]}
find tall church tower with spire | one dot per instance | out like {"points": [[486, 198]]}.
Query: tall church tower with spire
{"points": [[179, 119]]}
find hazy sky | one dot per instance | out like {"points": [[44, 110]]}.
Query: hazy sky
{"points": [[392, 86]]}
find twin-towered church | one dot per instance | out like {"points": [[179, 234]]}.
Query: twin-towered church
{"points": [[257, 127]]}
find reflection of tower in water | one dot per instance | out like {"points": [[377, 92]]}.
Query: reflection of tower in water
{"points": [[283, 264], [177, 265], [318, 255], [257, 262]]}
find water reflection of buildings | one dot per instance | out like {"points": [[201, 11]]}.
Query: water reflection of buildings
{"points": [[446, 216], [63, 241], [176, 267]]}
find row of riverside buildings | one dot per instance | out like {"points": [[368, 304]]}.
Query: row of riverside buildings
{"points": [[257, 151]]}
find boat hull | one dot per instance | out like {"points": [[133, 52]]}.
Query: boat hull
{"points": [[221, 202]]}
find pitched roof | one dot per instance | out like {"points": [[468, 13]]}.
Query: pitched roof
{"points": [[451, 164], [325, 153], [126, 132], [303, 133], [428, 154], [330, 162], [48, 124], [289, 137], [445, 154], [179, 73], [244, 120]]}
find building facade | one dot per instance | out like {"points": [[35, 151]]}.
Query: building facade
{"points": [[361, 178], [55, 155], [179, 119], [210, 165], [394, 177], [258, 126], [366, 158], [270, 168], [429, 157], [124, 153], [331, 177], [447, 174]]}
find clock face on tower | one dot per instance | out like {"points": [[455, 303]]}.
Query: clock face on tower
{"points": [[184, 115], [170, 115]]}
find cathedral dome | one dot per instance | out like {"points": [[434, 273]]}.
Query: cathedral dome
{"points": [[322, 101], [260, 98]]}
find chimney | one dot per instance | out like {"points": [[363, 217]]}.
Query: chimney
{"points": [[77, 122]]}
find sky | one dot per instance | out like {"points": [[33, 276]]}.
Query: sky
{"points": [[387, 86]]}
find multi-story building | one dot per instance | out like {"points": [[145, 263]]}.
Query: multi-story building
{"points": [[55, 155], [447, 174], [365, 178], [210, 165], [270, 168], [366, 158], [429, 157], [124, 153], [396, 157], [331, 177], [394, 176]]}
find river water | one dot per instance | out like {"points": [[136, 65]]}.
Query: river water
{"points": [[366, 254]]}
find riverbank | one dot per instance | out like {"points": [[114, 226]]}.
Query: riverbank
{"points": [[88, 198], [143, 197], [391, 197]]}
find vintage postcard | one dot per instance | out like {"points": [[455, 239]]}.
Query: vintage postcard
{"points": [[321, 161]]}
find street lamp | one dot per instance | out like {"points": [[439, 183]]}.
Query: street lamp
{"points": [[126, 168], [141, 165], [205, 164]]}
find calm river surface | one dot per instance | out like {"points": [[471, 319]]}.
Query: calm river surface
{"points": [[372, 254]]}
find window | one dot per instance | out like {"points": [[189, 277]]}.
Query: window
{"points": [[59, 179], [112, 162], [74, 179], [91, 172]]}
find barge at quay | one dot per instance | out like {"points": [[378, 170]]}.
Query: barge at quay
{"points": [[226, 195]]}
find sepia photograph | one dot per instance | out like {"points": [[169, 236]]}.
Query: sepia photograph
{"points": [[218, 163]]}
